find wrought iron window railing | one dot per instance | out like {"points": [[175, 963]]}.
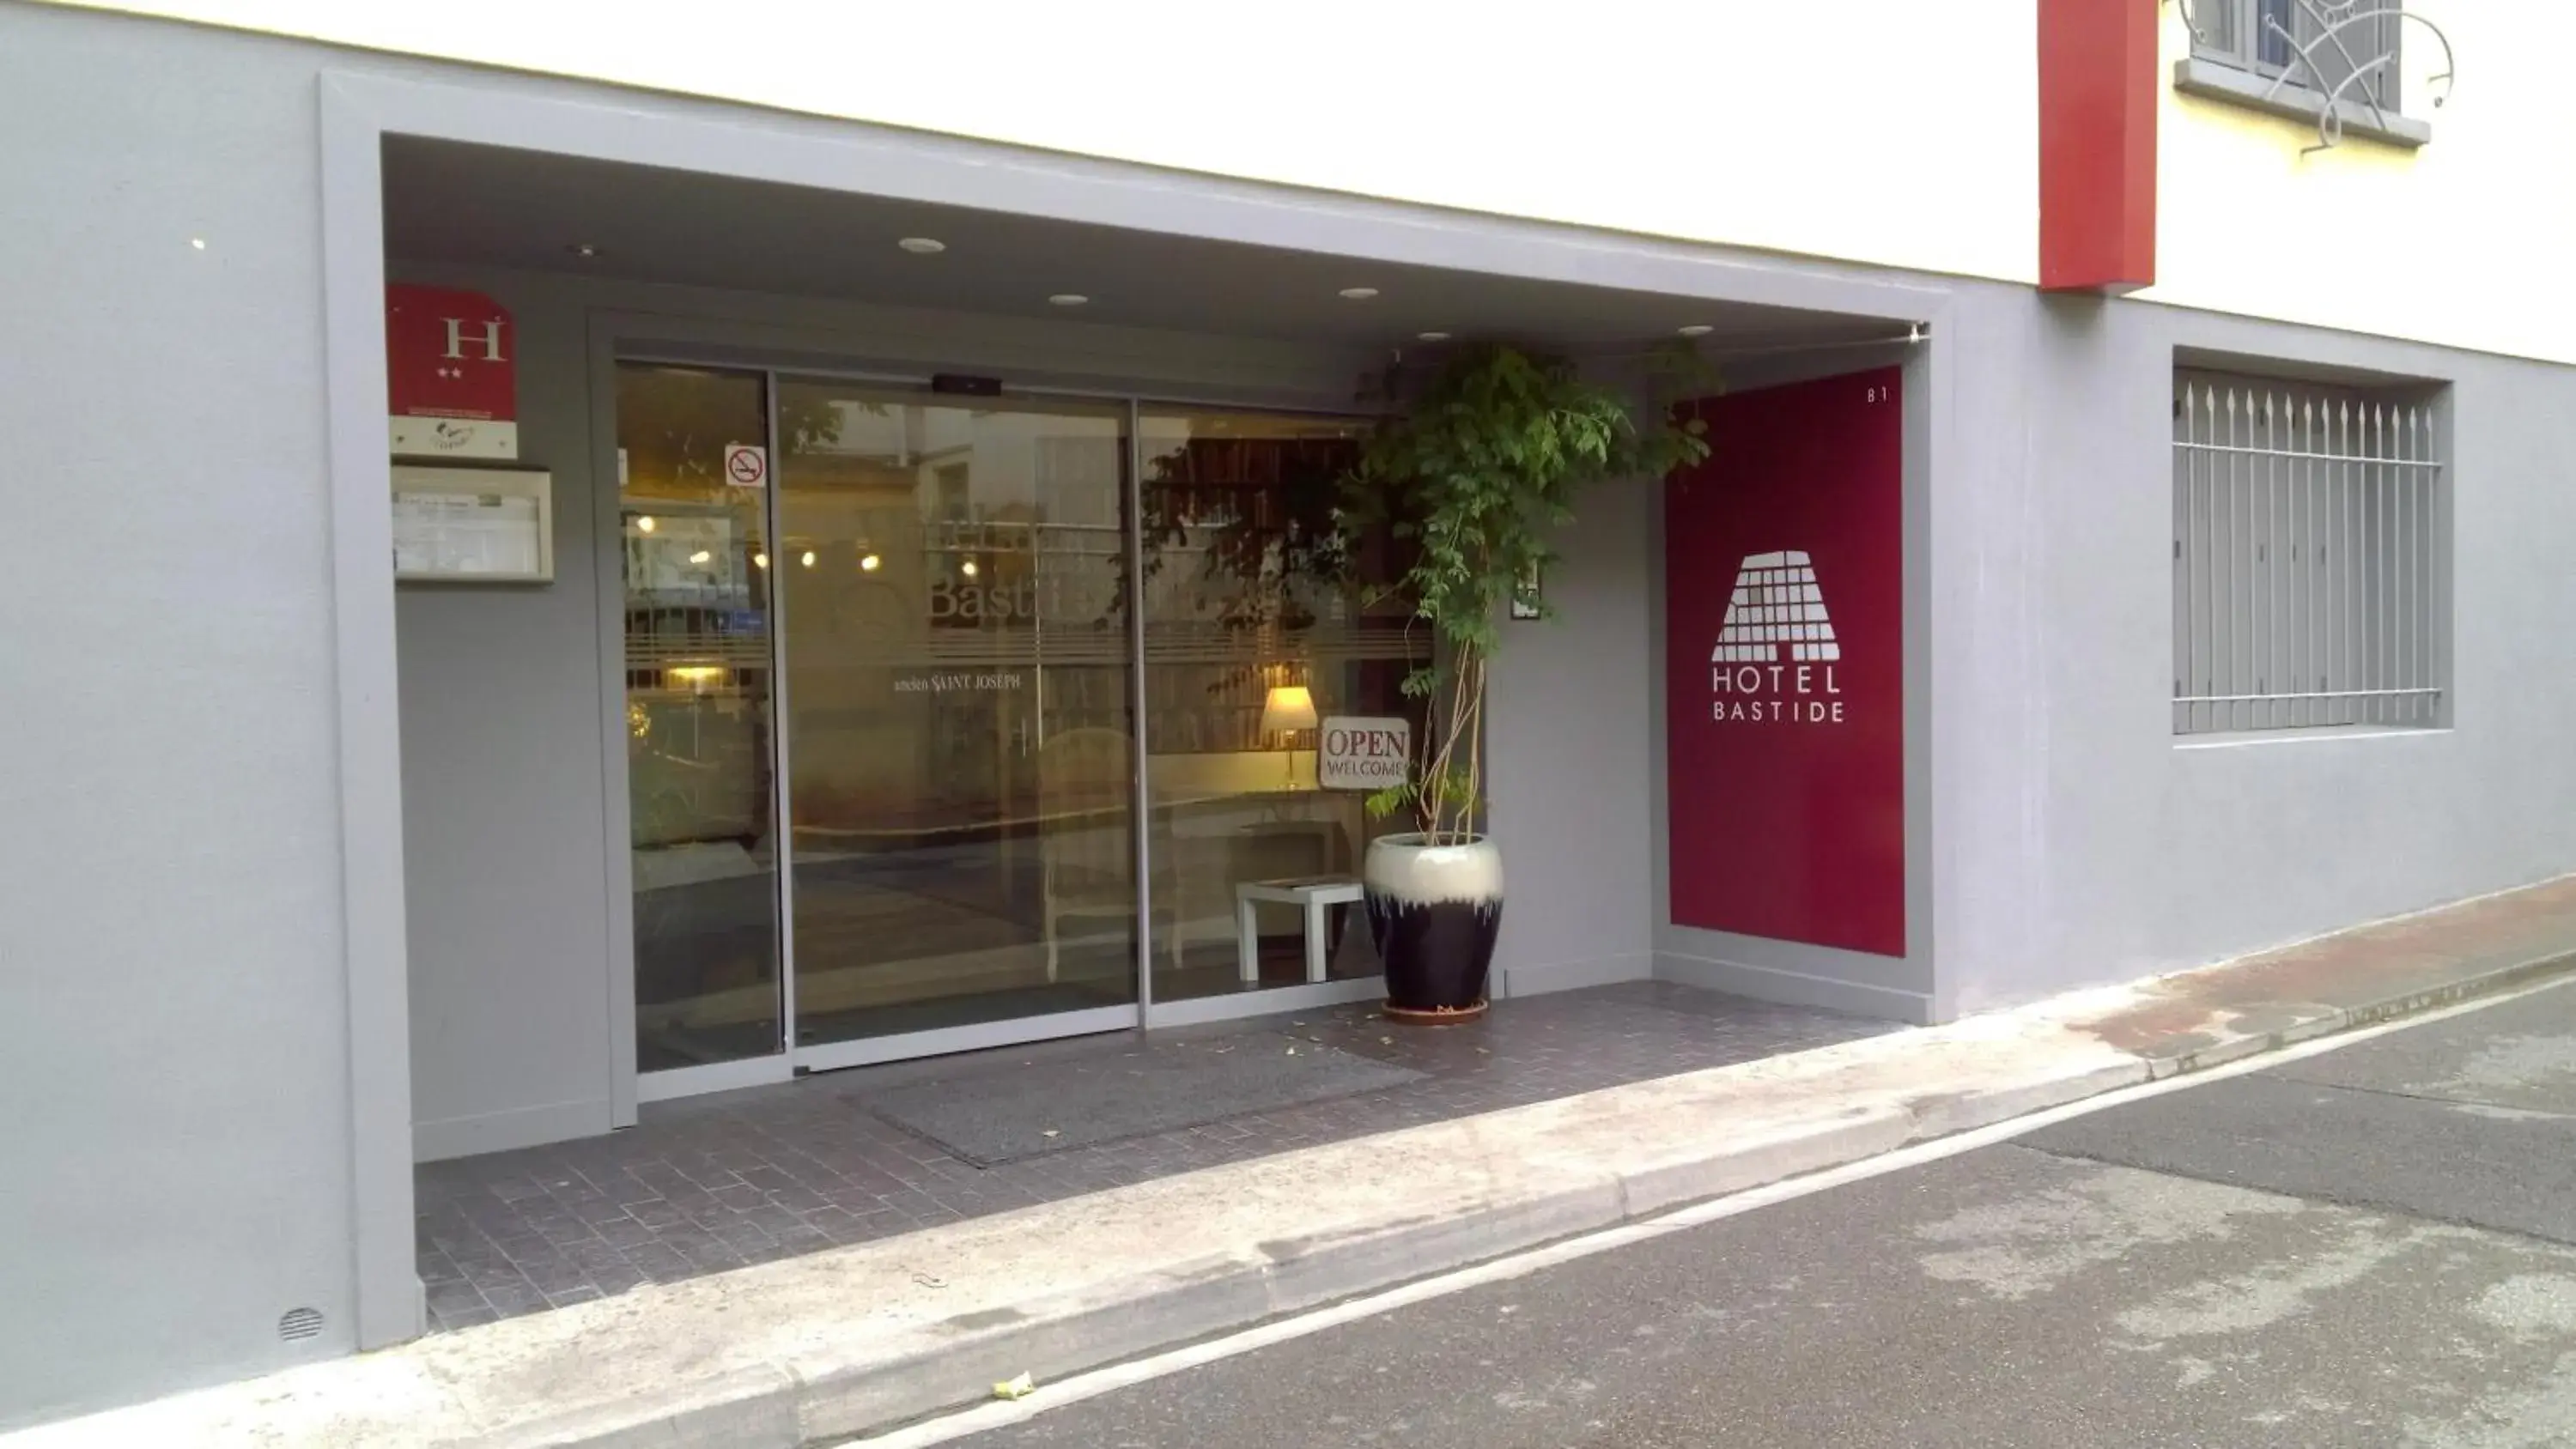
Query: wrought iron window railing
{"points": [[2340, 62], [2344, 48], [2311, 557]]}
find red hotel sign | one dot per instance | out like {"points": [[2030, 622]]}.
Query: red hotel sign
{"points": [[452, 369], [1784, 674]]}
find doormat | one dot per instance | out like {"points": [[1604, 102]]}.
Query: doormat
{"points": [[991, 1118]]}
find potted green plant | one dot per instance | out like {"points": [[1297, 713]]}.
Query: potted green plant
{"points": [[1476, 465]]}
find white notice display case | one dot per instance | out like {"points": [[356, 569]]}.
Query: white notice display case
{"points": [[473, 525]]}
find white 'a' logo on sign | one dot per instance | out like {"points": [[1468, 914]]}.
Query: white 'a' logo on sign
{"points": [[1777, 614]]}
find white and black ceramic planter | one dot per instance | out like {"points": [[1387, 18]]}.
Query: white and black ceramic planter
{"points": [[1433, 911]]}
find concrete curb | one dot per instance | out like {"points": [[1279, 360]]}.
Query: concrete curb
{"points": [[2309, 1023], [834, 1345]]}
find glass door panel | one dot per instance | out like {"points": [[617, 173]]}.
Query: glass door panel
{"points": [[959, 746], [698, 756], [1256, 628]]}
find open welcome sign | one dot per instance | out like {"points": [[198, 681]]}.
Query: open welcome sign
{"points": [[1362, 752]]}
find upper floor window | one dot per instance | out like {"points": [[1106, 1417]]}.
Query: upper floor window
{"points": [[2339, 63], [2347, 49]]}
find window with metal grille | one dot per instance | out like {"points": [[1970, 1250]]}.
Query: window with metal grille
{"points": [[2342, 48], [2311, 556]]}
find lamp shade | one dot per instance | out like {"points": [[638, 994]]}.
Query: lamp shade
{"points": [[1289, 707]]}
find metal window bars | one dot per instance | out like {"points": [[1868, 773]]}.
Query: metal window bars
{"points": [[2310, 557]]}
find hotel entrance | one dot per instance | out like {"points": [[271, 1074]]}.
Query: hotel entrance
{"points": [[954, 721]]}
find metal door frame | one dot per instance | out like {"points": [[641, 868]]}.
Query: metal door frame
{"points": [[792, 1059]]}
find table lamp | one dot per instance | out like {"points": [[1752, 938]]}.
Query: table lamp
{"points": [[1289, 707]]}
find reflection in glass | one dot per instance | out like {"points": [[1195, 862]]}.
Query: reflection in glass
{"points": [[1259, 623], [960, 753], [697, 719]]}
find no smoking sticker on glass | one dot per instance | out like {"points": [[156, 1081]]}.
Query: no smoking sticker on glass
{"points": [[746, 466]]}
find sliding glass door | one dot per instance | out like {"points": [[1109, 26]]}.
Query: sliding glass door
{"points": [[700, 797], [959, 753], [1264, 616], [886, 743]]}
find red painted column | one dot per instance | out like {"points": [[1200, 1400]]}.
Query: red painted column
{"points": [[2097, 144]]}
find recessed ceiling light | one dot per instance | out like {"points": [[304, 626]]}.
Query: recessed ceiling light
{"points": [[808, 559], [1068, 299], [923, 246], [584, 250], [701, 556], [1696, 329], [644, 524], [1359, 294], [869, 562], [760, 560], [1433, 336], [968, 568]]}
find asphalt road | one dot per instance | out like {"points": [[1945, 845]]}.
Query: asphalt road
{"points": [[2370, 1247]]}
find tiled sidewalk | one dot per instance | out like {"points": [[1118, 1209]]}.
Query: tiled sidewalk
{"points": [[720, 1182]]}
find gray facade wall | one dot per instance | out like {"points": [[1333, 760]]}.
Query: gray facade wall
{"points": [[506, 851], [177, 1171], [1980, 709], [2082, 841], [1571, 774]]}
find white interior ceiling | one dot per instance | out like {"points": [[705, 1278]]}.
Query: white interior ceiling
{"points": [[446, 202]]}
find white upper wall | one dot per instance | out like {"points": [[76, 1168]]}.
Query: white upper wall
{"points": [[1789, 127], [1884, 131], [2460, 243], [1894, 132]]}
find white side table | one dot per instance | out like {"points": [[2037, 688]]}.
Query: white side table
{"points": [[1310, 893]]}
